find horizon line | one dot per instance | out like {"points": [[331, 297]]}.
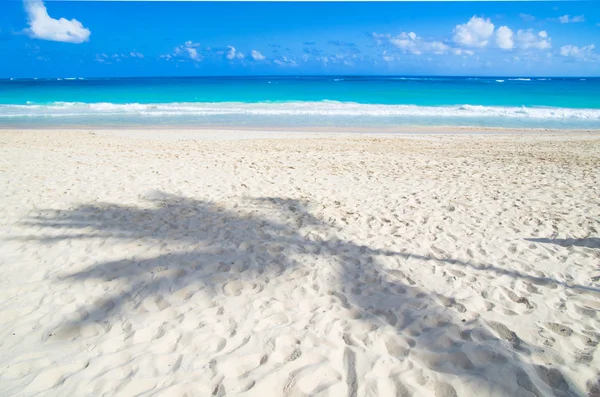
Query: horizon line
{"points": [[328, 1], [71, 78]]}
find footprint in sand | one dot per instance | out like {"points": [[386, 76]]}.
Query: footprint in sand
{"points": [[443, 389], [233, 288], [240, 366], [451, 302], [208, 344], [525, 382], [553, 378], [285, 349], [506, 334], [311, 380], [397, 347], [484, 355], [272, 321], [560, 329]]}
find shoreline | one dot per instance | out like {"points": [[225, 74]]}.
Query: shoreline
{"points": [[308, 131]]}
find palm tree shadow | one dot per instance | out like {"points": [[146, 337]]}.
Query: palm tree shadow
{"points": [[590, 242], [215, 251]]}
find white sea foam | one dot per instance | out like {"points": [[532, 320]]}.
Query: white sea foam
{"points": [[500, 81], [323, 108], [520, 79], [416, 78]]}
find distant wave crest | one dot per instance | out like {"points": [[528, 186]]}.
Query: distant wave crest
{"points": [[322, 108]]}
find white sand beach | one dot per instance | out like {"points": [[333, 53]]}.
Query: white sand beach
{"points": [[163, 263]]}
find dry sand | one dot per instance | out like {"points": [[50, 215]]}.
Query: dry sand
{"points": [[329, 265]]}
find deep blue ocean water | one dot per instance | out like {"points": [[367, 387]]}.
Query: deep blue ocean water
{"points": [[324, 101]]}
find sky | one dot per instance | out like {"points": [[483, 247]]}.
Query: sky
{"points": [[149, 38]]}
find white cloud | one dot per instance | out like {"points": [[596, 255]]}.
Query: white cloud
{"points": [[380, 37], [578, 52], [406, 41], [193, 53], [324, 60], [233, 54], [527, 39], [285, 61], [104, 58], [42, 26], [474, 33], [461, 51], [411, 43], [436, 47], [569, 19], [504, 38], [339, 59], [257, 56], [188, 50]]}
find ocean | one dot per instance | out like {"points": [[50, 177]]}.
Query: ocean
{"points": [[302, 101]]}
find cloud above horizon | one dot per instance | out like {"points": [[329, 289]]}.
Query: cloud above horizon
{"points": [[232, 54], [410, 42], [257, 56], [285, 61], [44, 27], [569, 19], [188, 50], [524, 39], [504, 38], [528, 39], [475, 33], [585, 53], [108, 59]]}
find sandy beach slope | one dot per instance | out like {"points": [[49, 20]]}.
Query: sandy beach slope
{"points": [[316, 265]]}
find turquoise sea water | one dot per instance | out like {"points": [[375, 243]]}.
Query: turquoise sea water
{"points": [[324, 101]]}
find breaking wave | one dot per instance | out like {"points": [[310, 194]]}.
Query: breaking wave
{"points": [[321, 108]]}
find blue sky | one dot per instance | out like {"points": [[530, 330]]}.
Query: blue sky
{"points": [[69, 39]]}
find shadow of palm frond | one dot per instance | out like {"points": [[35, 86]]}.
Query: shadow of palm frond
{"points": [[269, 240], [590, 242]]}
